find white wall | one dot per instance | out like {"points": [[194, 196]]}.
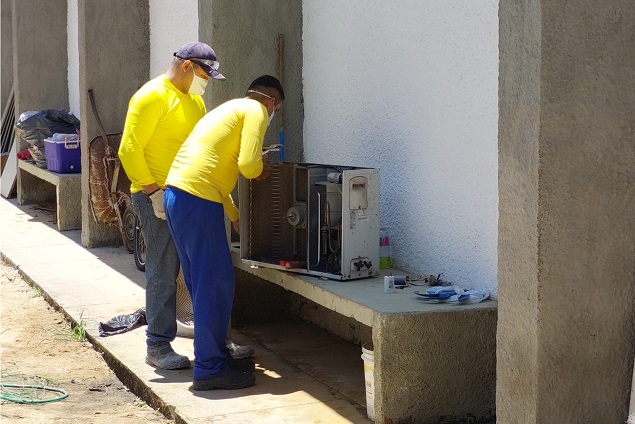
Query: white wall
{"points": [[411, 87], [73, 57], [172, 24], [170, 27]]}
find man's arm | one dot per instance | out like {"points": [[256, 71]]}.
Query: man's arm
{"points": [[141, 120], [230, 208], [250, 161], [266, 168]]}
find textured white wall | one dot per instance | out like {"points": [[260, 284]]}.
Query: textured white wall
{"points": [[411, 87], [172, 24], [73, 57]]}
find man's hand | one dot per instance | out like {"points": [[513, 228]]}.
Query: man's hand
{"points": [[236, 225], [266, 170], [157, 203]]}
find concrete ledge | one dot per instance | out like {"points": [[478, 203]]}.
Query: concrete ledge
{"points": [[64, 188], [436, 367], [433, 362], [362, 300]]}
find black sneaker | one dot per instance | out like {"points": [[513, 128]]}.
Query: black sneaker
{"points": [[165, 358], [231, 380]]}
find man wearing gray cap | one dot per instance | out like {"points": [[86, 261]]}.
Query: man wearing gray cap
{"points": [[161, 114]]}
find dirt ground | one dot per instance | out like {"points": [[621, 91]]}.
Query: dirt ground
{"points": [[36, 340]]}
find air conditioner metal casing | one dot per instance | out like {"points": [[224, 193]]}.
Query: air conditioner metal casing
{"points": [[323, 220]]}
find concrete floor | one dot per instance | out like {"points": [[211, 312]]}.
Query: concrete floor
{"points": [[316, 352], [304, 374]]}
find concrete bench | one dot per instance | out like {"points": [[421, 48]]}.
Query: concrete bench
{"points": [[37, 185], [432, 362]]}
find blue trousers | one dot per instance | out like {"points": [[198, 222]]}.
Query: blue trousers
{"points": [[198, 229], [162, 269]]}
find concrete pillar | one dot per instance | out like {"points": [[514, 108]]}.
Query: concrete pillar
{"points": [[6, 52], [39, 55], [566, 269], [114, 59], [39, 59], [244, 35]]}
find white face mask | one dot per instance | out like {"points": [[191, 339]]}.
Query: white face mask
{"points": [[198, 85], [269, 97]]}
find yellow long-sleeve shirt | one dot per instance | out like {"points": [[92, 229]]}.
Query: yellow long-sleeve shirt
{"points": [[226, 141], [159, 119]]}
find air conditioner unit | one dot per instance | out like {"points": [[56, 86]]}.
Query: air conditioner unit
{"points": [[312, 219]]}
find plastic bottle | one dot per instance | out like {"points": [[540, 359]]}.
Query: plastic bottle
{"points": [[385, 261], [389, 284]]}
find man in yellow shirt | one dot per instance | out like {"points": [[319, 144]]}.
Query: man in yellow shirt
{"points": [[160, 117], [226, 142]]}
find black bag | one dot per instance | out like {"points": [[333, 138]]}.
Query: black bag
{"points": [[122, 323], [34, 127]]}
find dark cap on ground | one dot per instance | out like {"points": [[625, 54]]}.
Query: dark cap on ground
{"points": [[203, 55]]}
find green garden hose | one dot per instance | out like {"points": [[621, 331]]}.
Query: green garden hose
{"points": [[29, 389]]}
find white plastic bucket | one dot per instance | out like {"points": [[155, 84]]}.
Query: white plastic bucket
{"points": [[369, 376]]}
